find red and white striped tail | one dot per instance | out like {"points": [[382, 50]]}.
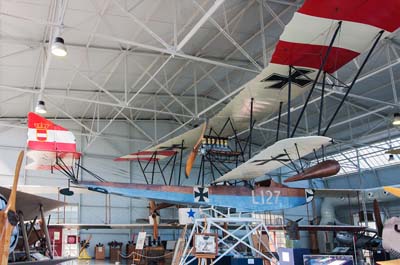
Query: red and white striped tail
{"points": [[48, 142], [44, 135]]}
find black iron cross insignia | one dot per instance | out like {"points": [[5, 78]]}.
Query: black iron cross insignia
{"points": [[296, 77], [309, 195], [260, 162], [200, 194]]}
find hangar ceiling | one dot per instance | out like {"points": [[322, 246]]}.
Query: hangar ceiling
{"points": [[178, 60]]}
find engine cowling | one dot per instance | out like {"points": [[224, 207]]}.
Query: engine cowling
{"points": [[15, 232]]}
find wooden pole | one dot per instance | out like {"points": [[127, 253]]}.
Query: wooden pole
{"points": [[8, 217]]}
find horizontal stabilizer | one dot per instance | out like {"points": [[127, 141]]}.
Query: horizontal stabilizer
{"points": [[47, 160]]}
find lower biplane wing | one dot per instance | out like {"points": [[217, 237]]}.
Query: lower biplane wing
{"points": [[185, 141], [114, 226], [336, 228], [29, 204], [275, 156]]}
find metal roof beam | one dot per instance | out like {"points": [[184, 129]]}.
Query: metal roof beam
{"points": [[79, 99], [238, 47], [199, 24], [134, 43]]}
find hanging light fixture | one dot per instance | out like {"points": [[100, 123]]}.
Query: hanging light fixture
{"points": [[396, 119], [58, 47], [40, 107]]}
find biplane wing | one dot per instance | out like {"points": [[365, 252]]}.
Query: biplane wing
{"points": [[275, 156], [29, 204], [302, 46], [185, 141], [350, 228], [48, 142], [114, 226]]}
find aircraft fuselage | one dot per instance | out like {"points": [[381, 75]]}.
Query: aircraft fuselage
{"points": [[242, 198]]}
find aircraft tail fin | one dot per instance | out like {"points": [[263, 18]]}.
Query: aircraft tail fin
{"points": [[44, 135]]}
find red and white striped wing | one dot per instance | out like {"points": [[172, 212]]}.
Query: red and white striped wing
{"points": [[303, 44]]}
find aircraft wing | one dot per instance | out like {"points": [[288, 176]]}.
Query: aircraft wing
{"points": [[350, 228], [114, 226], [169, 148], [302, 45], [29, 204], [275, 156]]}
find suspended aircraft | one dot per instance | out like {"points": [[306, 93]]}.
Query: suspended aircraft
{"points": [[321, 37]]}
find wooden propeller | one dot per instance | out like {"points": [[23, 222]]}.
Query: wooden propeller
{"points": [[153, 212], [392, 190], [8, 216], [378, 219], [393, 152], [194, 152], [87, 241]]}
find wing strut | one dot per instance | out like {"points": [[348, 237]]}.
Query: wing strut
{"points": [[328, 51], [354, 81]]}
